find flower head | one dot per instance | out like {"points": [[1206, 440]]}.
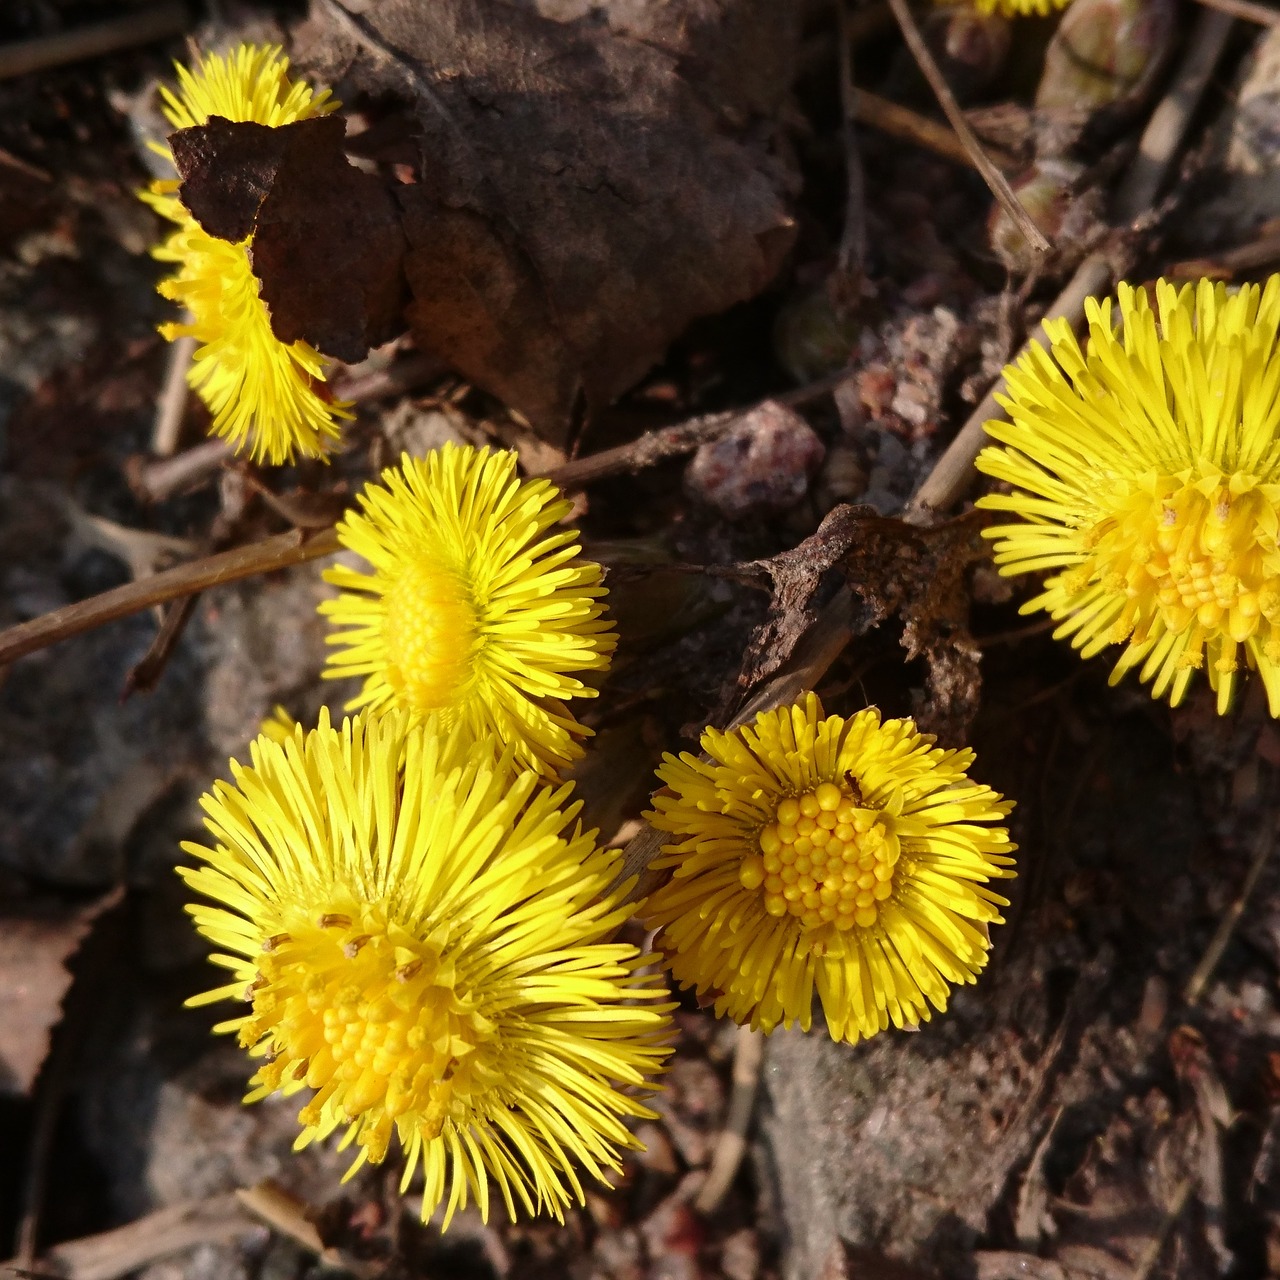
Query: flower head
{"points": [[848, 856], [423, 940], [265, 395], [474, 610], [1146, 476]]}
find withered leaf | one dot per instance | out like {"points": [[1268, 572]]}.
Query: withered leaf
{"points": [[34, 951], [575, 201], [327, 244], [895, 569]]}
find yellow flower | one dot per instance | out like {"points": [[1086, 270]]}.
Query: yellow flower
{"points": [[846, 855], [279, 725], [1147, 477], [1015, 8], [473, 611], [265, 395], [424, 942]]}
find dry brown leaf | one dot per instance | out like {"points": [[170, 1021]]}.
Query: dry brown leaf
{"points": [[34, 951], [327, 243], [574, 195], [895, 569]]}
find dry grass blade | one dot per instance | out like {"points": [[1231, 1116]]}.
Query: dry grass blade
{"points": [[217, 1220], [292, 1217], [731, 1146], [992, 176], [172, 405], [1231, 917], [910, 126]]}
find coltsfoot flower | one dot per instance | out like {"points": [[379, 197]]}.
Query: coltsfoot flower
{"points": [[266, 396], [474, 611], [421, 931], [1146, 477], [850, 856]]}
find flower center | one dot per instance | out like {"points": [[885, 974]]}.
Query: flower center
{"points": [[1191, 557], [824, 859], [430, 631], [373, 1019]]}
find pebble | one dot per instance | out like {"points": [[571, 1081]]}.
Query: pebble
{"points": [[762, 464]]}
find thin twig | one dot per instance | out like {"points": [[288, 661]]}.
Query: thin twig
{"points": [[1163, 135], [1155, 1246], [954, 471], [280, 552], [731, 1145], [1230, 262], [991, 175], [145, 674], [129, 29], [901, 122], [1199, 979], [292, 1217], [172, 404], [155, 481], [663, 443], [1262, 14], [175, 1229], [647, 450]]}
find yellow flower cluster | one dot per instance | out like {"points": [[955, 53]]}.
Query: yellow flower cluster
{"points": [[266, 396]]}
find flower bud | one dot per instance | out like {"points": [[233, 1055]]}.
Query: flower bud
{"points": [[1105, 53], [1047, 191]]}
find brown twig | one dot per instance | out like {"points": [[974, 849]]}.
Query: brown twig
{"points": [[1165, 130], [731, 1145], [129, 29], [155, 481], [404, 374], [954, 471], [143, 676], [663, 443], [901, 122], [991, 175], [172, 404], [1199, 979], [1246, 257], [290, 1216], [1262, 14], [280, 552], [644, 451]]}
